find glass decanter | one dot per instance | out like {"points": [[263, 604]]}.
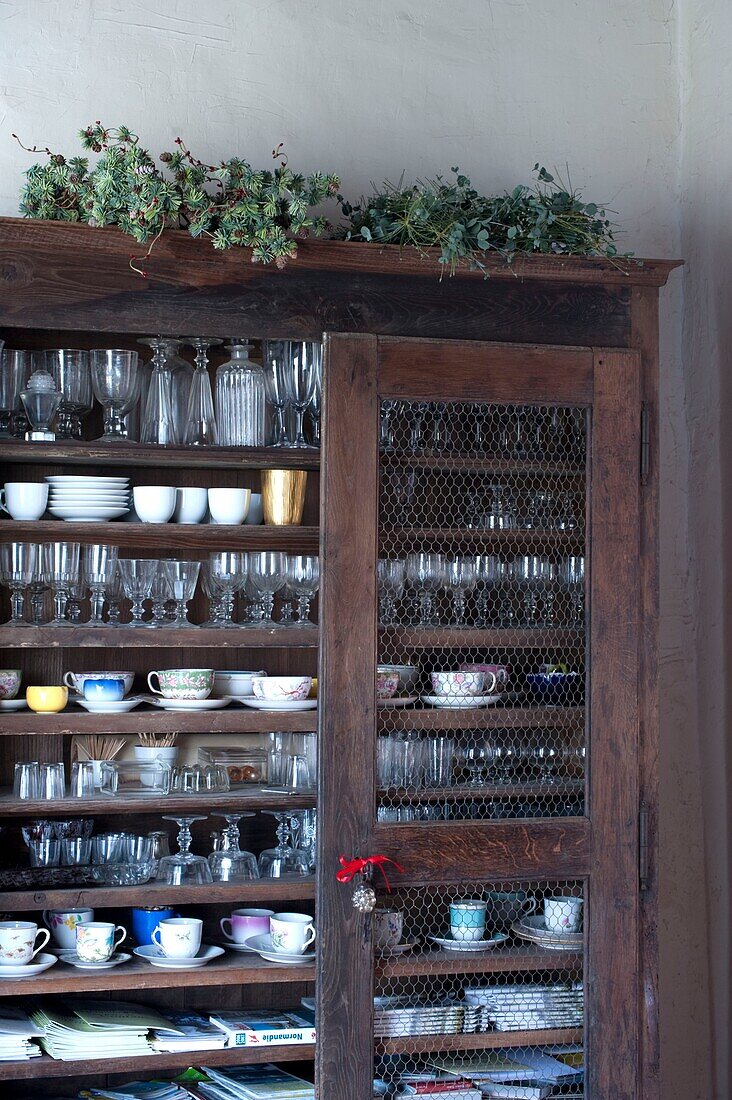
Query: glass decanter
{"points": [[158, 419], [240, 399], [201, 430]]}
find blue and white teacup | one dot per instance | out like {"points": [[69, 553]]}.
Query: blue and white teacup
{"points": [[109, 689], [467, 919]]}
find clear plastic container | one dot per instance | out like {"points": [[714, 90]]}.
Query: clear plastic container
{"points": [[240, 400]]}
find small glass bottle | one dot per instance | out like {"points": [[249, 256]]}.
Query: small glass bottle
{"points": [[240, 399]]}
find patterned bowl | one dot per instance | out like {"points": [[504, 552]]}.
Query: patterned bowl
{"points": [[275, 688]]}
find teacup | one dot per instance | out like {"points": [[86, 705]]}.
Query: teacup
{"points": [[467, 919], [229, 505], [47, 700], [154, 503], [386, 684], [18, 941], [388, 925], [182, 683], [190, 504], [178, 937], [274, 688], [256, 511], [97, 941], [145, 919], [24, 500], [63, 922], [244, 923], [292, 933], [9, 682], [461, 685], [506, 906], [235, 682], [562, 914], [106, 689], [502, 674], [76, 680]]}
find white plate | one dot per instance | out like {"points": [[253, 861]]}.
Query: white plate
{"points": [[88, 515], [263, 946], [73, 959], [152, 954], [87, 480], [88, 502], [190, 704], [104, 706], [88, 494], [13, 704], [283, 704], [466, 703], [398, 701], [449, 944], [29, 970]]}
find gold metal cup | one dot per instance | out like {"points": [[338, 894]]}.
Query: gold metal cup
{"points": [[283, 496]]}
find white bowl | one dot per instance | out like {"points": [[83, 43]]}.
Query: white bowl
{"points": [[235, 683], [277, 688]]}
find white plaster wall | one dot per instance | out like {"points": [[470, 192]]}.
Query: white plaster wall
{"points": [[372, 88]]}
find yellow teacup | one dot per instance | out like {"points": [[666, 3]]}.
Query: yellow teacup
{"points": [[313, 693], [47, 700]]}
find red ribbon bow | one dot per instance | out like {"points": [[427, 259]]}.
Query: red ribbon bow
{"points": [[351, 867]]}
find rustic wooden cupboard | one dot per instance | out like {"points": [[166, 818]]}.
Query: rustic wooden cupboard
{"points": [[510, 420]]}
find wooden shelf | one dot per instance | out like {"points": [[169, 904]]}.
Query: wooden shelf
{"points": [[100, 637], [427, 963], [482, 463], [238, 895], [200, 537], [455, 637], [485, 718], [72, 453], [467, 793], [482, 1040], [149, 1064], [255, 799], [231, 719], [230, 969]]}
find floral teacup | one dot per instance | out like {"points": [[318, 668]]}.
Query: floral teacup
{"points": [[178, 937], [388, 926], [9, 682], [18, 941], [96, 941], [183, 683], [63, 922]]}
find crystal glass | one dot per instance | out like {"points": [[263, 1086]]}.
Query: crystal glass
{"points": [[573, 578], [182, 577], [214, 593], [287, 596], [303, 372], [266, 572], [277, 359], [115, 594], [491, 509], [160, 596], [82, 779], [283, 859], [304, 828], [401, 483], [540, 513], [26, 780], [566, 516], [158, 419], [51, 781], [386, 430], [61, 571], [230, 863], [44, 853], [184, 868], [115, 385], [392, 573], [303, 577], [487, 569], [201, 428], [41, 400], [441, 435], [71, 371], [76, 853], [182, 374], [15, 370], [107, 848], [19, 563], [99, 567], [528, 572], [459, 576], [315, 402], [424, 574], [228, 570], [419, 411], [137, 575], [240, 400], [77, 595]]}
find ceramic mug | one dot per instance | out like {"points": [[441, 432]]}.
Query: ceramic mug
{"points": [[562, 914], [388, 925], [386, 684], [255, 514], [190, 505], [154, 503], [63, 922], [106, 689], [47, 700], [502, 674], [76, 680], [97, 941], [145, 919], [460, 685], [244, 923], [467, 919], [229, 505], [9, 682], [292, 933], [182, 683], [178, 937], [18, 941], [24, 500]]}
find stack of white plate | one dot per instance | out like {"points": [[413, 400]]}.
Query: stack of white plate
{"points": [[88, 499], [394, 1016], [528, 1007]]}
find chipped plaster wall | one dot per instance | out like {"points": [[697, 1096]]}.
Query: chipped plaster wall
{"points": [[371, 88]]}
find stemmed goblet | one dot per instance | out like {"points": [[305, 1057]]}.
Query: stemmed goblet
{"points": [[301, 376], [230, 863], [424, 574], [184, 868], [573, 578], [159, 596], [459, 576], [137, 576], [71, 372], [200, 419], [158, 419], [228, 570], [303, 576], [214, 593], [115, 385], [487, 579], [18, 567], [100, 565], [277, 356], [391, 576], [266, 572], [182, 577], [283, 859], [61, 571]]}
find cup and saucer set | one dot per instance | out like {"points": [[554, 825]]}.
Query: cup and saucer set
{"points": [[282, 938], [21, 955]]}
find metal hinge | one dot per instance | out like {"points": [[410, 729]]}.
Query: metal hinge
{"points": [[645, 444], [643, 846]]}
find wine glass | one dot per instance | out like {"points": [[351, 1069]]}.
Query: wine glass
{"points": [[277, 356], [528, 573], [315, 401], [77, 594], [424, 574], [115, 382], [182, 577], [487, 579], [228, 570], [137, 576], [267, 574], [230, 863], [573, 578], [459, 576], [115, 594], [391, 576], [200, 418], [71, 372], [282, 859], [301, 376], [18, 567], [160, 596], [61, 570], [214, 593], [158, 420], [303, 576], [287, 596], [100, 565], [184, 868]]}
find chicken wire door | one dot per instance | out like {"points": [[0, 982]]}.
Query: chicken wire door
{"points": [[479, 720]]}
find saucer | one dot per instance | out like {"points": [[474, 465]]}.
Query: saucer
{"points": [[263, 946], [42, 962], [107, 706], [466, 702], [398, 701], [282, 704], [73, 959], [191, 704], [397, 949], [450, 944], [153, 954], [13, 704], [241, 947]]}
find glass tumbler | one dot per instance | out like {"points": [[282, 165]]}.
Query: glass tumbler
{"points": [[51, 781], [44, 853], [26, 781]]}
